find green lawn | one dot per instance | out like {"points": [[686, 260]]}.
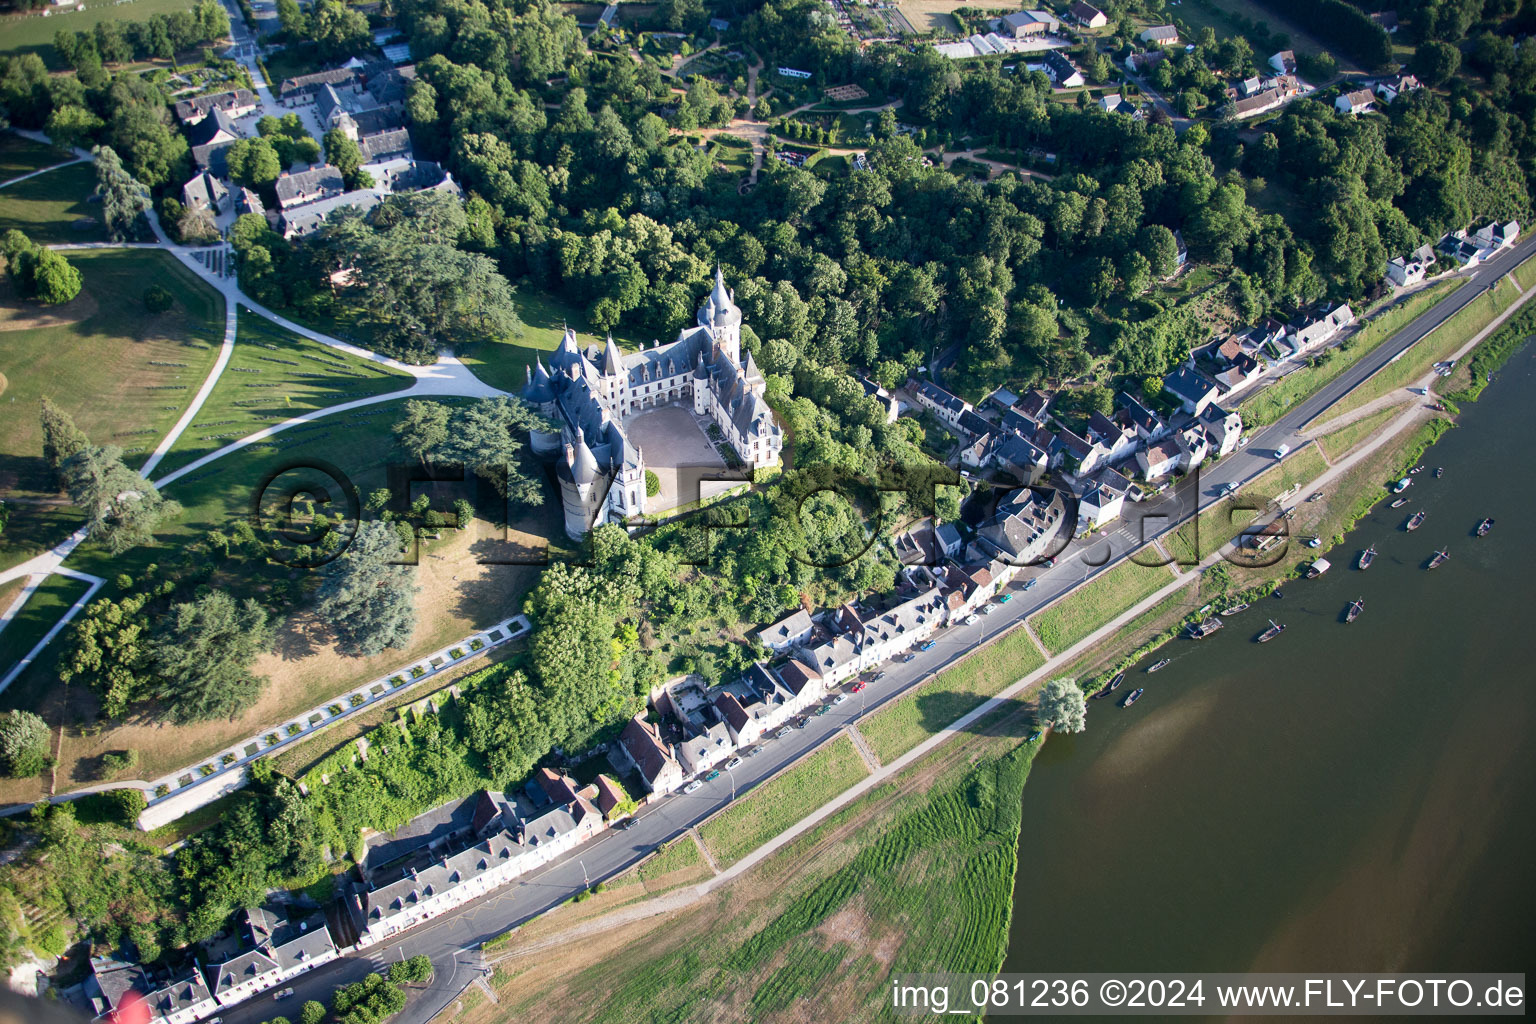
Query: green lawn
{"points": [[34, 34], [123, 373], [1092, 605], [904, 723], [1337, 444], [1438, 345], [1525, 273], [276, 375], [544, 317], [36, 618], [47, 207], [782, 801], [20, 156], [678, 855], [1269, 404]]}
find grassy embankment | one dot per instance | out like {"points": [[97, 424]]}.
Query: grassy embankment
{"points": [[47, 603], [53, 209], [123, 373], [1336, 443], [1439, 345], [917, 715], [275, 375], [1093, 604], [783, 800], [1474, 372], [20, 156], [1269, 404]]}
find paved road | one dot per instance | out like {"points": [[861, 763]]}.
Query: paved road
{"points": [[450, 939]]}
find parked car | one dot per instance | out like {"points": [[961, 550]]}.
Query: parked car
{"points": [[907, 659], [782, 733], [280, 996], [839, 698], [877, 677], [734, 762], [988, 609], [926, 645], [824, 709], [756, 750], [858, 686], [693, 786], [1031, 582], [1005, 599], [1282, 451], [623, 825], [1228, 488], [1050, 563], [1242, 442], [714, 774], [971, 620]]}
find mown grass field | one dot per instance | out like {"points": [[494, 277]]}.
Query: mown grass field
{"points": [[1439, 345], [20, 156], [51, 599], [124, 374], [1337, 443], [779, 803], [1093, 604], [275, 375], [1525, 273], [917, 715], [48, 208], [32, 33], [681, 854], [1268, 405], [501, 363]]}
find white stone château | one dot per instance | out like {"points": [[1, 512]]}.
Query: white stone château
{"points": [[589, 398]]}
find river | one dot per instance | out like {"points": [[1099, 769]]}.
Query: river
{"points": [[1347, 797]]}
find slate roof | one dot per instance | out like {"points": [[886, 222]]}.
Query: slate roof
{"points": [[435, 826], [301, 220], [209, 128], [306, 186], [199, 106], [642, 741], [792, 625], [396, 142]]}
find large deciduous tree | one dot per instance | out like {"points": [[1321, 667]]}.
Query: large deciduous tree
{"points": [[23, 744], [121, 508], [61, 438], [1062, 706], [124, 199]]}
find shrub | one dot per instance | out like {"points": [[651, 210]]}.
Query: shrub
{"points": [[53, 941], [162, 790], [158, 299], [356, 699], [128, 803], [415, 970], [312, 1013], [652, 484], [294, 728], [23, 744], [334, 709]]}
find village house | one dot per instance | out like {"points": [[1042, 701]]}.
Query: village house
{"points": [[209, 138], [947, 407], [1284, 62], [1192, 388], [1100, 500], [802, 680], [1313, 326], [1149, 426], [1020, 458], [281, 950], [1160, 35], [888, 405], [1087, 15], [205, 192], [641, 745], [1193, 446], [1158, 460], [179, 998], [1146, 61], [1060, 70], [1356, 102], [1024, 24], [1116, 435], [1406, 271], [308, 186], [792, 629], [1223, 427], [1084, 457], [1494, 236], [1392, 88], [1021, 528], [236, 103], [1114, 103]]}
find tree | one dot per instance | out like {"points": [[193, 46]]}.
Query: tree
{"points": [[23, 744], [70, 125], [484, 438], [368, 1001], [201, 654], [122, 508], [367, 598], [413, 971], [124, 199], [312, 1012], [1435, 62], [197, 226], [61, 438], [423, 429], [158, 299], [1063, 706], [343, 153], [128, 802], [253, 162], [54, 279]]}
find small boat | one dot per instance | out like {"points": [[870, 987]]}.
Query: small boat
{"points": [[1402, 485], [1415, 521], [1274, 630], [1441, 557], [1439, 472], [1103, 691], [1315, 496], [1483, 527], [1240, 607], [1367, 557], [1159, 666], [1317, 568], [1114, 683], [1400, 502], [1203, 629], [1132, 697], [1314, 542], [1355, 608]]}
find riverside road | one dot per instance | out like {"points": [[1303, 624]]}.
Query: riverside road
{"points": [[450, 940]]}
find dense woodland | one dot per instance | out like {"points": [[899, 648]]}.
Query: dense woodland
{"points": [[580, 188]]}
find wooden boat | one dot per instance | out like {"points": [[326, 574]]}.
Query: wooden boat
{"points": [[1355, 608], [1274, 630], [1132, 697], [1317, 568], [1239, 607], [1415, 521], [1439, 472], [1483, 527], [1114, 684], [1204, 628], [1400, 502], [1367, 557], [1160, 665], [1441, 557]]}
